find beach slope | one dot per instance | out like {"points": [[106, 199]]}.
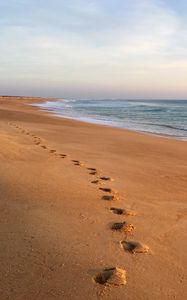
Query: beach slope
{"points": [[77, 199]]}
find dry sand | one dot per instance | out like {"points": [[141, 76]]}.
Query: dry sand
{"points": [[56, 223]]}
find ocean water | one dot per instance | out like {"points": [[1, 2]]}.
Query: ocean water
{"points": [[160, 117]]}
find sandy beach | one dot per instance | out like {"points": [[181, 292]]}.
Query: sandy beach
{"points": [[59, 179]]}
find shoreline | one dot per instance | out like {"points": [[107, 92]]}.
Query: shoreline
{"points": [[107, 123], [56, 211]]}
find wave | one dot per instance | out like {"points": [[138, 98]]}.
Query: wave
{"points": [[68, 100], [167, 126], [54, 104], [163, 117]]}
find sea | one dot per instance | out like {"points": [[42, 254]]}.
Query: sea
{"points": [[160, 117]]}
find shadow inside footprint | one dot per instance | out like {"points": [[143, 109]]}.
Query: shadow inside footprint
{"points": [[92, 169], [80, 164], [123, 226], [109, 197], [52, 151], [117, 211], [106, 178], [134, 247], [44, 147], [111, 276], [97, 173], [109, 190], [63, 155], [95, 181], [122, 211]]}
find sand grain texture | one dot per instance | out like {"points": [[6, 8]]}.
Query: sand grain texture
{"points": [[54, 233]]}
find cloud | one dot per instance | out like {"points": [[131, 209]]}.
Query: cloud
{"points": [[122, 44]]}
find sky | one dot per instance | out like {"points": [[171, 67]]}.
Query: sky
{"points": [[130, 49]]}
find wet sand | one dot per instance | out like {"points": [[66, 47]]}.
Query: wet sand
{"points": [[59, 180]]}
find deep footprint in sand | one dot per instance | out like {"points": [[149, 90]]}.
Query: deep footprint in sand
{"points": [[122, 211], [93, 173], [110, 197], [96, 173], [63, 155], [44, 147], [123, 227], [111, 276], [134, 247], [106, 178], [96, 181], [80, 164], [109, 190], [52, 151], [92, 169]]}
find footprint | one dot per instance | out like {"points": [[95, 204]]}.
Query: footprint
{"points": [[95, 181], [97, 173], [44, 147], [63, 155], [110, 197], [93, 173], [123, 227], [134, 247], [109, 190], [75, 161], [81, 164], [92, 169], [37, 143], [106, 178], [52, 151], [111, 276], [122, 211]]}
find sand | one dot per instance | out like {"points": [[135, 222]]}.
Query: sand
{"points": [[59, 180]]}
